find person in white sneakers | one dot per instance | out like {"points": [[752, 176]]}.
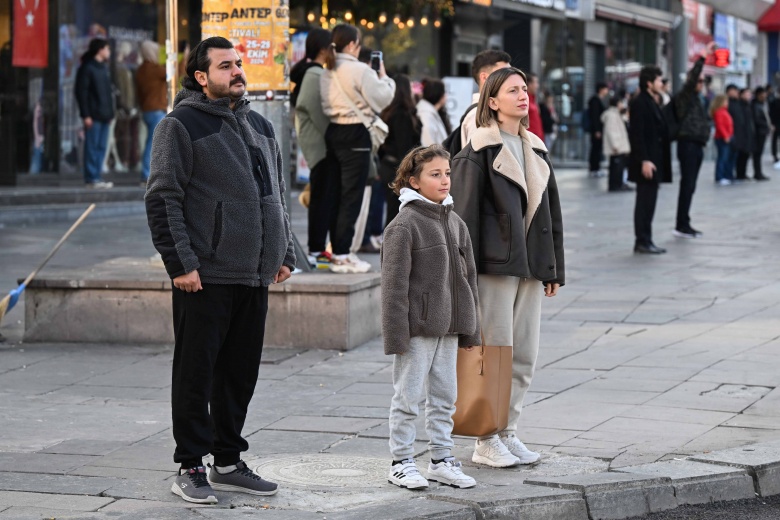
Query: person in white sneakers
{"points": [[429, 309], [504, 189]]}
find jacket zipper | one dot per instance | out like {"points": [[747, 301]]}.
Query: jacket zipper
{"points": [[453, 289]]}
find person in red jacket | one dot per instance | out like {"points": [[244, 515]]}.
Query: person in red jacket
{"points": [[724, 131], [534, 115]]}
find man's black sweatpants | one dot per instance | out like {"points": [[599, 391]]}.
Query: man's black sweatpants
{"points": [[219, 340]]}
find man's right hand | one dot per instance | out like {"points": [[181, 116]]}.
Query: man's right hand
{"points": [[648, 169], [189, 282], [87, 123]]}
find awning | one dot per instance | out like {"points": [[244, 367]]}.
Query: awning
{"points": [[750, 10], [635, 14], [770, 21]]}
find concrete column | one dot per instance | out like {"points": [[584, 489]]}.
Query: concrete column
{"points": [[679, 52]]}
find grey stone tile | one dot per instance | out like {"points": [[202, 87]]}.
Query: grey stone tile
{"points": [[376, 448], [407, 509], [548, 436], [51, 501], [554, 380], [517, 501], [324, 424], [724, 437], [754, 421], [570, 414], [268, 442], [683, 415], [43, 463], [710, 396], [55, 484], [371, 401], [614, 384], [83, 447], [125, 473], [40, 513], [762, 461], [337, 367], [153, 507], [369, 389]]}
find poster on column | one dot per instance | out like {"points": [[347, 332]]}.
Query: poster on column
{"points": [[260, 32], [31, 34]]}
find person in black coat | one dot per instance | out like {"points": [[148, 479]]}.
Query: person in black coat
{"points": [[774, 118], [94, 94], [744, 133], [762, 130], [596, 107], [650, 161], [404, 135]]}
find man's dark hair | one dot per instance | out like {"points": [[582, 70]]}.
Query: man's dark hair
{"points": [[601, 85], [364, 55], [199, 60], [731, 86], [648, 74], [743, 90], [759, 91], [95, 46], [487, 58], [614, 100]]}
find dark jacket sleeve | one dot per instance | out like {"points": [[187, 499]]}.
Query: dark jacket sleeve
{"points": [[595, 109], [688, 94], [83, 85], [289, 256], [468, 184], [557, 225], [170, 172], [640, 131], [470, 340], [396, 266]]}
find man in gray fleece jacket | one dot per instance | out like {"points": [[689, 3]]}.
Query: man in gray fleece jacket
{"points": [[218, 218]]}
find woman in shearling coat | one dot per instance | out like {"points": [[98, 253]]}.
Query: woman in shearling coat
{"points": [[504, 189]]}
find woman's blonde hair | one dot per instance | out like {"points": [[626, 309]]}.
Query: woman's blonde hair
{"points": [[412, 165], [486, 115], [719, 101]]}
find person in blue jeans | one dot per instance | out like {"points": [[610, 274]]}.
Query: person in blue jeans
{"points": [[94, 94], [724, 131], [152, 91]]}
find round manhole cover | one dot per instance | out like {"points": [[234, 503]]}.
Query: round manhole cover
{"points": [[325, 470]]}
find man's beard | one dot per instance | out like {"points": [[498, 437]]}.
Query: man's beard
{"points": [[221, 91]]}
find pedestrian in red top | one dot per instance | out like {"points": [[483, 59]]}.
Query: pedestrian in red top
{"points": [[724, 131], [534, 115]]}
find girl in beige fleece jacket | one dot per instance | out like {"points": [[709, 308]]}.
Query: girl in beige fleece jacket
{"points": [[429, 308]]}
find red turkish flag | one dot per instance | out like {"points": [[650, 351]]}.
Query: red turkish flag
{"points": [[31, 33]]}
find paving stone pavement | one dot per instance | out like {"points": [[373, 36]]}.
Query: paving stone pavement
{"points": [[649, 367]]}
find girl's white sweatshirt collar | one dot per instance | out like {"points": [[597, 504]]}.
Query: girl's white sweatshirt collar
{"points": [[408, 195]]}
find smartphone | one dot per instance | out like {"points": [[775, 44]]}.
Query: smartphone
{"points": [[376, 60]]}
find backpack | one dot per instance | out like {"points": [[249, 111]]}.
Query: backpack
{"points": [[453, 143]]}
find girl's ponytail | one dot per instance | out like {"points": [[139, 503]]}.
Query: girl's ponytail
{"points": [[330, 61]]}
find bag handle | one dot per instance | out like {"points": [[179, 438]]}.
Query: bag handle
{"points": [[359, 112]]}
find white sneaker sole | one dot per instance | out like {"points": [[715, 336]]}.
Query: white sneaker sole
{"points": [[349, 269], [240, 489], [399, 483], [451, 483], [480, 459], [529, 460], [176, 490]]}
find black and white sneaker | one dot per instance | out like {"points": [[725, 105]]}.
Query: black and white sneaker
{"points": [[406, 475], [241, 480], [193, 486]]}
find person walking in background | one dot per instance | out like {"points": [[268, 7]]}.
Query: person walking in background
{"points": [[762, 129], [429, 309], [311, 123], [616, 144], [434, 97], [404, 135], [724, 132], [596, 107], [484, 64], [504, 189], [549, 119], [774, 119], [215, 207], [744, 133], [346, 84], [650, 161], [692, 137], [534, 113], [152, 87], [95, 97]]}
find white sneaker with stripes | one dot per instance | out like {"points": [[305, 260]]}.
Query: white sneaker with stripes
{"points": [[406, 475]]}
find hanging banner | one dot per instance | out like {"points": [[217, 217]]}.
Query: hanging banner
{"points": [[31, 33], [260, 32]]}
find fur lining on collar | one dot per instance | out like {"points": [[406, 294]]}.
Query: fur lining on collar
{"points": [[537, 173]]}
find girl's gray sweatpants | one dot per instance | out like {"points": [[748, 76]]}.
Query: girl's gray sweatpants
{"points": [[426, 371]]}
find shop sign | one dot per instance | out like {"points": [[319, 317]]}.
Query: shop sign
{"points": [[699, 30], [260, 32], [747, 39], [556, 5], [31, 34]]}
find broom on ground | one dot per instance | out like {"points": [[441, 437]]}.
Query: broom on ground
{"points": [[7, 303]]}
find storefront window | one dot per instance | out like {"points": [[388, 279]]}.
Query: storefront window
{"points": [[629, 48], [563, 75]]}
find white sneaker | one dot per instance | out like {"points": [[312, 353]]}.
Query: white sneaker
{"points": [[449, 473], [776, 166], [492, 452], [349, 264], [406, 475], [724, 182], [519, 450], [100, 185]]}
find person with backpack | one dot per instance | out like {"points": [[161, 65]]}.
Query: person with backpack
{"points": [[692, 136], [595, 109], [483, 66]]}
